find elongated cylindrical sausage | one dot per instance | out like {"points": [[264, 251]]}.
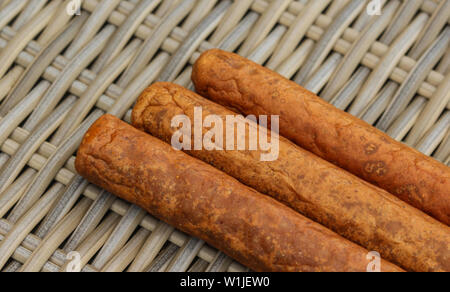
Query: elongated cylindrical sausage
{"points": [[314, 187], [330, 133], [200, 200]]}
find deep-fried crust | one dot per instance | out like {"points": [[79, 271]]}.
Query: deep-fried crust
{"points": [[204, 202], [330, 133], [316, 188]]}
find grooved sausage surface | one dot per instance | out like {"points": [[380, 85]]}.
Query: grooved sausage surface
{"points": [[330, 133], [316, 188], [193, 196]]}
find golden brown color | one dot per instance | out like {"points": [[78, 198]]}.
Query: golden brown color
{"points": [[316, 188], [202, 201], [330, 133]]}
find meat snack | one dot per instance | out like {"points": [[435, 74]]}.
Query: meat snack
{"points": [[353, 208], [328, 132], [200, 200]]}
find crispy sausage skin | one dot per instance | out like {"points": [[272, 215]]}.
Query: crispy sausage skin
{"points": [[359, 211], [328, 132], [202, 201]]}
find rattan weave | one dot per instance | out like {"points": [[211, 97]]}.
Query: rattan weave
{"points": [[60, 70]]}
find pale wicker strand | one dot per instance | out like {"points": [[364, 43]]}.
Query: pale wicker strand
{"points": [[46, 174], [7, 82], [12, 168], [68, 75], [51, 242], [444, 149], [346, 95], [220, 263], [10, 10], [406, 120], [94, 91], [165, 7], [61, 18], [60, 208], [435, 135], [185, 255], [91, 219], [176, 64], [120, 236], [27, 33], [14, 192], [444, 65], [431, 113], [199, 266], [96, 239], [263, 26], [295, 61], [404, 16], [416, 76], [3, 158], [126, 255], [123, 34], [358, 50], [365, 18], [202, 8], [381, 103], [24, 251], [233, 17], [27, 223], [387, 64], [328, 39], [91, 27], [318, 80], [232, 41], [32, 8], [438, 20], [12, 267], [130, 94], [262, 52], [164, 258], [296, 32], [20, 112], [336, 7], [42, 61], [151, 247], [152, 44]]}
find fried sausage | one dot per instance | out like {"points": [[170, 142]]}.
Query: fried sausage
{"points": [[200, 200], [328, 132], [356, 210]]}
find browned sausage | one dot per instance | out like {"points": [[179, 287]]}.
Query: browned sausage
{"points": [[316, 188], [200, 200], [328, 132]]}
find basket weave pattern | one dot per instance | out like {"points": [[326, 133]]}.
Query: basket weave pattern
{"points": [[61, 68]]}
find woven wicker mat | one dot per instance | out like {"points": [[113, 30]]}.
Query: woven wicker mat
{"points": [[61, 67]]}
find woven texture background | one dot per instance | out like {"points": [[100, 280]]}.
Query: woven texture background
{"points": [[60, 69]]}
